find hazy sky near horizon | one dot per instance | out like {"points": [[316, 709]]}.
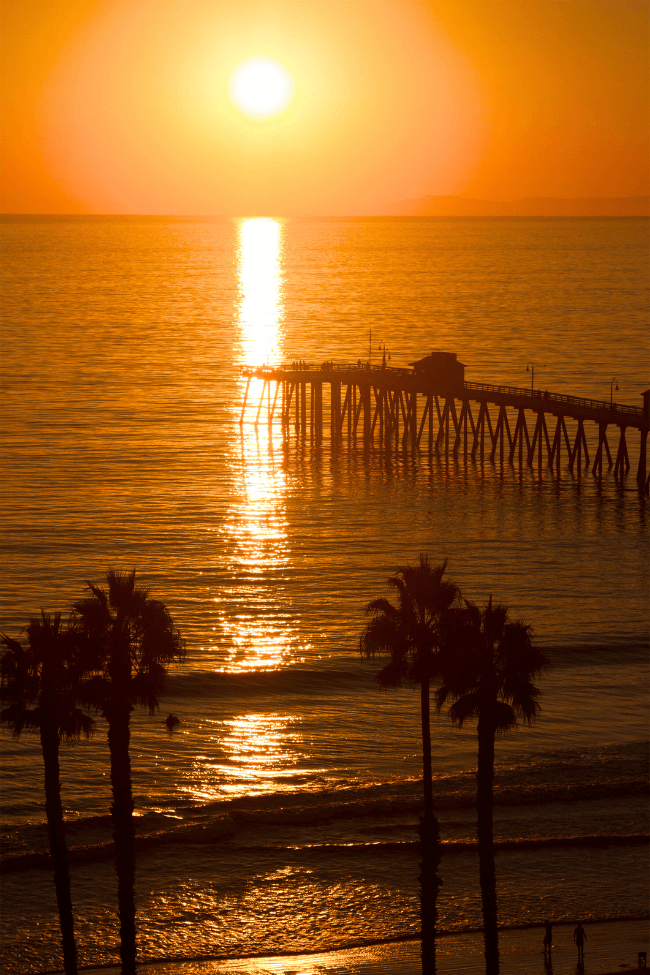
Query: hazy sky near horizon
{"points": [[123, 106]]}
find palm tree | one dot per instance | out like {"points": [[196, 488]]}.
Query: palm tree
{"points": [[410, 634], [38, 682], [488, 665], [129, 637]]}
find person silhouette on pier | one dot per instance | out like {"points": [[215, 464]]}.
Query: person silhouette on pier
{"points": [[579, 936]]}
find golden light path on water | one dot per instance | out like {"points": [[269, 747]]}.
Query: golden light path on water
{"points": [[261, 308], [256, 751], [256, 521], [245, 754]]}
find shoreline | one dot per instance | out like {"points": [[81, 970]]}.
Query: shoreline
{"points": [[612, 947]]}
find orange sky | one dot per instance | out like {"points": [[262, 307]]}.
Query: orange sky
{"points": [[123, 107]]}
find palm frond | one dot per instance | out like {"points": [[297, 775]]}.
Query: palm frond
{"points": [[75, 724], [486, 653], [148, 685], [441, 696], [525, 701], [128, 637], [464, 708], [503, 718], [410, 630], [46, 672], [18, 718], [382, 607], [393, 675], [382, 634]]}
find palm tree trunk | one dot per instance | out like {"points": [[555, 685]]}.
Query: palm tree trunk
{"points": [[487, 872], [58, 848], [427, 778], [123, 830], [429, 832]]}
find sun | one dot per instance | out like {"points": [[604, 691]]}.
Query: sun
{"points": [[261, 87]]}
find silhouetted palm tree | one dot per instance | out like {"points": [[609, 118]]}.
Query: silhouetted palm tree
{"points": [[39, 682], [488, 665], [129, 638], [410, 634]]}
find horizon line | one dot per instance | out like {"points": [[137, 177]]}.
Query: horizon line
{"points": [[325, 216]]}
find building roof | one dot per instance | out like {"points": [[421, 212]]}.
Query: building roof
{"points": [[439, 358]]}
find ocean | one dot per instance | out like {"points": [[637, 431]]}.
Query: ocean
{"points": [[279, 814]]}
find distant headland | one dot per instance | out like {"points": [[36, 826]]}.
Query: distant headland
{"points": [[458, 206]]}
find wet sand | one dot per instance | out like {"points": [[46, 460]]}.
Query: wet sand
{"points": [[611, 948]]}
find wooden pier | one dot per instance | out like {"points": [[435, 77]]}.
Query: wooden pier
{"points": [[430, 406]]}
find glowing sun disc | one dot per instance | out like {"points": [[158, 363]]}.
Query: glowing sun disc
{"points": [[261, 87]]}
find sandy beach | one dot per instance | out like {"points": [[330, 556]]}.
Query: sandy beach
{"points": [[611, 947]]}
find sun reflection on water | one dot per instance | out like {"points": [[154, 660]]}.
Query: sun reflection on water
{"points": [[259, 745], [253, 605], [261, 308], [248, 754], [261, 517]]}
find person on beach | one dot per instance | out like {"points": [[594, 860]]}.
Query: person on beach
{"points": [[548, 937], [580, 937]]}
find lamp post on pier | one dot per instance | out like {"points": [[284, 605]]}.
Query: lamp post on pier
{"points": [[612, 386], [530, 367], [382, 348]]}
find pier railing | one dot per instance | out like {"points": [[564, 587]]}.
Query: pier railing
{"points": [[535, 395]]}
